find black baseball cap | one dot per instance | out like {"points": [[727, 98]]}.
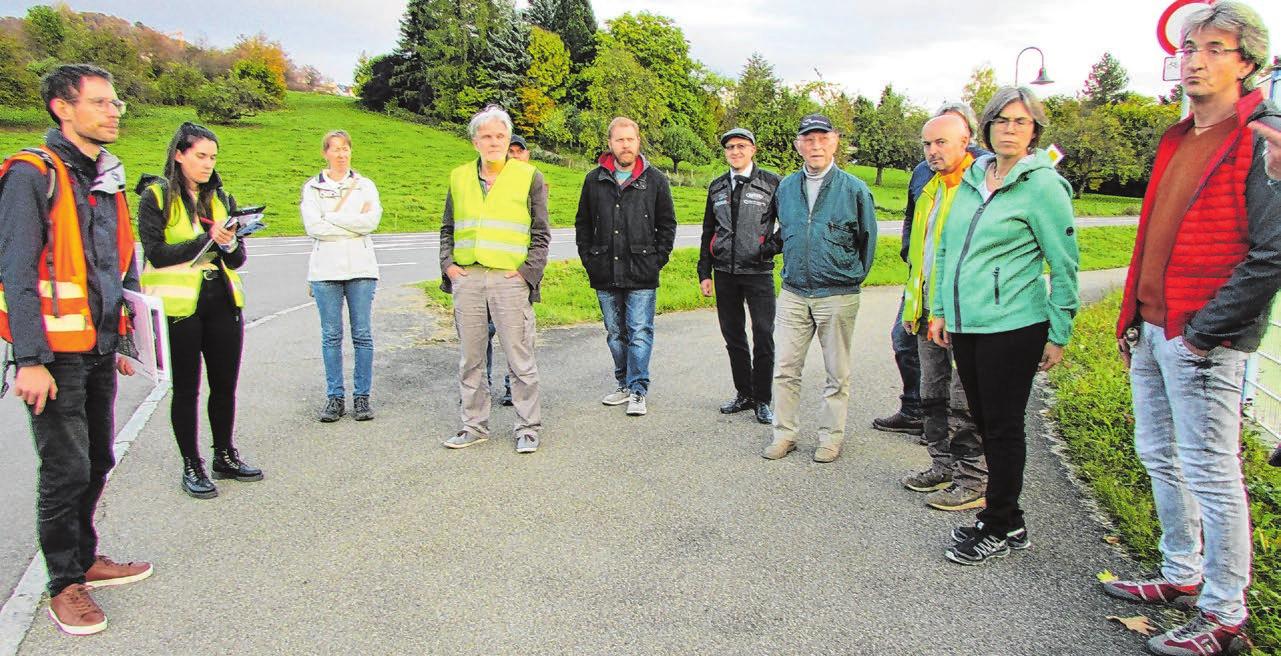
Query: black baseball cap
{"points": [[815, 122], [518, 140], [741, 133]]}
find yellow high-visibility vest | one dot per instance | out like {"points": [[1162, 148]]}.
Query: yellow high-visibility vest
{"points": [[178, 286], [492, 228]]}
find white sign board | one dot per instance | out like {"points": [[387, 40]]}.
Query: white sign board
{"points": [[1171, 70], [150, 336]]}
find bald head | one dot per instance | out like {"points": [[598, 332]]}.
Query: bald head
{"points": [[944, 139]]}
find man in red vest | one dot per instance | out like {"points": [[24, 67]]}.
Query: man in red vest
{"points": [[62, 275], [1206, 264]]}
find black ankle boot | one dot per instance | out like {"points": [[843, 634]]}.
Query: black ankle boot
{"points": [[194, 481], [227, 464]]}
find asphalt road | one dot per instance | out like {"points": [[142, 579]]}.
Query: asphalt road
{"points": [[345, 477]]}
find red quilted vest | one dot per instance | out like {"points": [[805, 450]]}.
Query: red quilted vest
{"points": [[1212, 237]]}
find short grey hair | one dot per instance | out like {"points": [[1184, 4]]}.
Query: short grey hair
{"points": [[1239, 19], [487, 115], [1005, 96], [964, 111]]}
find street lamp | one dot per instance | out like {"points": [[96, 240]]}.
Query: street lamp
{"points": [[1041, 77]]}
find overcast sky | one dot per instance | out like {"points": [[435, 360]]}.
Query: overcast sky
{"points": [[925, 48]]}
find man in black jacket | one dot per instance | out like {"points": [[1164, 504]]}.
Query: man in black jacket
{"points": [[737, 224], [625, 228], [70, 395]]}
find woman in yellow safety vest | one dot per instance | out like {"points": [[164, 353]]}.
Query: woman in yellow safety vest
{"points": [[178, 216]]}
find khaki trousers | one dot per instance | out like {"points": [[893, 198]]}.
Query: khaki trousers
{"points": [[481, 294], [797, 322]]}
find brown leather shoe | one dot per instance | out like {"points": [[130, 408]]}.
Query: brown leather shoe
{"points": [[106, 572], [827, 452], [75, 612]]}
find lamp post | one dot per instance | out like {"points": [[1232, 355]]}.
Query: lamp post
{"points": [[1041, 77]]}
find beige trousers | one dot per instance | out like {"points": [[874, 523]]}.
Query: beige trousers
{"points": [[797, 321], [480, 295]]}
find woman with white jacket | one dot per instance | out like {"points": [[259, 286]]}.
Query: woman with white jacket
{"points": [[340, 209]]}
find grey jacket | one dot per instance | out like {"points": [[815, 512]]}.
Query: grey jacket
{"points": [[24, 210]]}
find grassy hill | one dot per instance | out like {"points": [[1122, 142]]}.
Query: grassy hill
{"points": [[266, 158]]}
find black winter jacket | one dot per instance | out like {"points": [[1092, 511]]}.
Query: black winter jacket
{"points": [[24, 210], [737, 240], [625, 234]]}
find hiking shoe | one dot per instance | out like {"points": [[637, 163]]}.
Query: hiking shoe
{"points": [[360, 410], [617, 397], [1203, 635], [334, 408], [978, 548], [1154, 590], [462, 440], [636, 404], [954, 498], [526, 443], [106, 572], [75, 612], [764, 415], [827, 452], [737, 404], [928, 480], [777, 449], [900, 423], [1016, 539]]}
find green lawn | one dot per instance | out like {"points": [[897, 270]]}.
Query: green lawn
{"points": [[266, 158], [569, 299], [1095, 417]]}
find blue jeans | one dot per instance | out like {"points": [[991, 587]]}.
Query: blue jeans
{"points": [[629, 322], [909, 366], [1187, 432], [329, 296]]}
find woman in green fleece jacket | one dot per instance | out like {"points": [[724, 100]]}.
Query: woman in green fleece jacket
{"points": [[1011, 216]]}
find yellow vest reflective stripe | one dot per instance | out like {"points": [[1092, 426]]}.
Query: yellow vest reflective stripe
{"points": [[178, 286], [492, 228]]}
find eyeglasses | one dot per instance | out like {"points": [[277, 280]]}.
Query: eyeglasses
{"points": [[1022, 122], [737, 146], [101, 104], [1213, 51]]}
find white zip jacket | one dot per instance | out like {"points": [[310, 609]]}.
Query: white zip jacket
{"points": [[342, 248]]}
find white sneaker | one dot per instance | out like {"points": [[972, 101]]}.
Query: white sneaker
{"points": [[617, 397], [636, 404]]}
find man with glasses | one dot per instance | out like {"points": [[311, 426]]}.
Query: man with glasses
{"points": [[827, 224], [1206, 266], [66, 257], [736, 258]]}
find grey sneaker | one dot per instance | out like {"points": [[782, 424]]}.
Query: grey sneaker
{"points": [[463, 440], [617, 397], [928, 480], [360, 410], [955, 497], [334, 408], [636, 404], [526, 443]]}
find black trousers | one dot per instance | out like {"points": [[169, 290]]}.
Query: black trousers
{"points": [[996, 371], [73, 438], [753, 371], [215, 333]]}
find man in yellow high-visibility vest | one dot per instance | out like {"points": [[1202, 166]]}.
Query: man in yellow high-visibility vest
{"points": [[493, 249]]}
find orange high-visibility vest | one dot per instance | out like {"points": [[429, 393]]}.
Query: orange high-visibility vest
{"points": [[63, 269]]}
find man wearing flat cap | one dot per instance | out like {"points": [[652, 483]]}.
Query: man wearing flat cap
{"points": [[736, 259], [827, 223]]}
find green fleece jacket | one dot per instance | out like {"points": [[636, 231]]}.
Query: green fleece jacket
{"points": [[992, 254]]}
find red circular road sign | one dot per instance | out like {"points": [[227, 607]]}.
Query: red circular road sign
{"points": [[1162, 23]]}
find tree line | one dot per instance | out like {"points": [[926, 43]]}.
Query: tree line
{"points": [[149, 67], [563, 78]]}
